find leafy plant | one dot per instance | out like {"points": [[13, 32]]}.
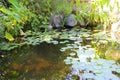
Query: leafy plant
{"points": [[1, 32], [107, 11], [97, 13], [43, 9], [8, 36], [62, 6], [17, 16]]}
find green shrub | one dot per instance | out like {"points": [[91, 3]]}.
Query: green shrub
{"points": [[17, 16], [100, 12], [1, 32], [43, 9]]}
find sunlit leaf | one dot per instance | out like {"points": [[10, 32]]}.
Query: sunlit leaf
{"points": [[9, 36], [14, 3], [72, 54]]}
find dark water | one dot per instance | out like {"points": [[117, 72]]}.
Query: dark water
{"points": [[42, 62]]}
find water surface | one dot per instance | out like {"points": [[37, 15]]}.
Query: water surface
{"points": [[41, 62]]}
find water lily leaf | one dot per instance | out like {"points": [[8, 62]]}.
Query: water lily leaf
{"points": [[72, 38], [64, 49], [68, 60], [54, 42], [99, 77], [72, 54], [89, 38], [63, 42], [118, 70], [85, 35], [88, 76], [111, 77]]}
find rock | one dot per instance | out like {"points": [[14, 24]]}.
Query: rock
{"points": [[50, 27], [71, 21], [56, 20], [1, 15]]}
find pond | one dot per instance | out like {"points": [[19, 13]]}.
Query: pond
{"points": [[71, 55]]}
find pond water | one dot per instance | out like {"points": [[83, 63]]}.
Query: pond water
{"points": [[42, 62], [46, 61]]}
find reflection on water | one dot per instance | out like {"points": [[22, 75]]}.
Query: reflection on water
{"points": [[42, 62]]}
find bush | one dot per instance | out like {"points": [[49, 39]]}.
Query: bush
{"points": [[43, 9], [15, 19]]}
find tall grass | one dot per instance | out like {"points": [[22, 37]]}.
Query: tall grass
{"points": [[101, 12]]}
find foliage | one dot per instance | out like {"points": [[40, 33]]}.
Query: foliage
{"points": [[8, 36], [62, 6], [35, 38], [5, 46], [1, 32], [17, 16], [97, 13], [43, 9], [108, 11]]}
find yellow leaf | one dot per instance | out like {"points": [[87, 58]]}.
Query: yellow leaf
{"points": [[14, 22], [9, 36], [26, 17]]}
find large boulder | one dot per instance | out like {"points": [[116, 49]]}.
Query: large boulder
{"points": [[56, 20], [70, 21]]}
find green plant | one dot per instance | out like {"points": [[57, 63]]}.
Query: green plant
{"points": [[17, 16], [107, 11], [62, 6], [99, 12], [87, 15], [43, 9], [1, 32]]}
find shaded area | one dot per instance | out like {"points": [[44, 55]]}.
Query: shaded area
{"points": [[44, 61]]}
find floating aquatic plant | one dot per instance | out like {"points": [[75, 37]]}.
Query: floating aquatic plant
{"points": [[86, 66]]}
